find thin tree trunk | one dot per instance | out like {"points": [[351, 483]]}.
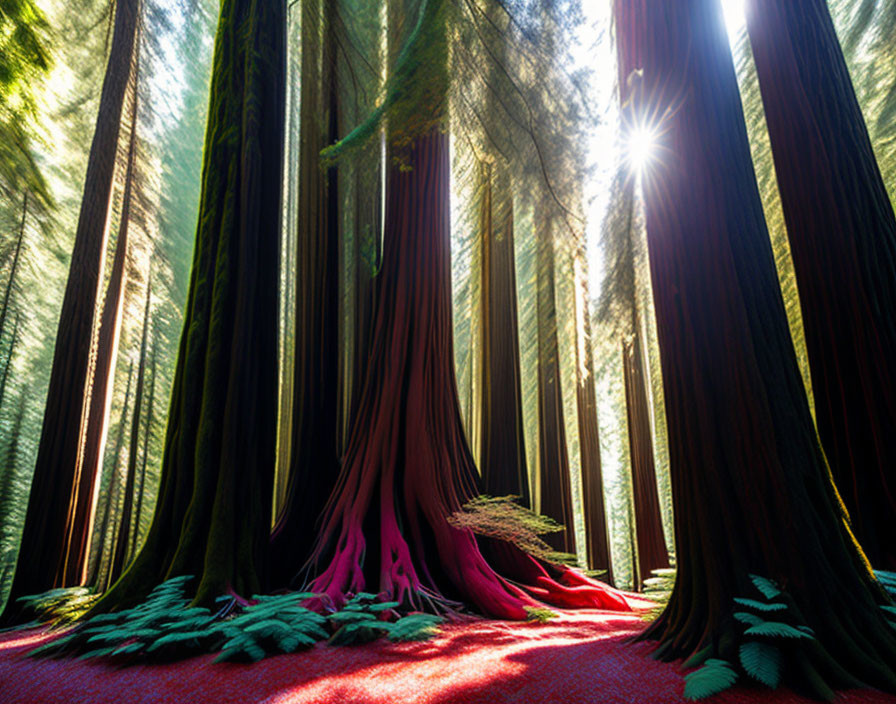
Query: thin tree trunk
{"points": [[555, 493], [213, 513], [4, 307], [147, 432], [502, 449], [82, 509], [651, 545], [842, 234], [750, 483], [120, 550], [9, 356], [94, 567], [43, 537], [317, 427], [597, 536]]}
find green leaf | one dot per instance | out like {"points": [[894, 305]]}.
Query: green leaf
{"points": [[747, 618], [766, 587], [889, 609], [715, 676], [762, 662], [760, 605], [383, 606], [415, 627], [776, 629], [539, 614]]}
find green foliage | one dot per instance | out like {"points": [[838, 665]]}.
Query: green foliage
{"points": [[762, 662], [763, 646], [887, 581], [539, 614], [501, 518], [59, 606], [166, 627], [715, 676]]}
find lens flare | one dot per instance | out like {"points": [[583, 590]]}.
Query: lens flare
{"points": [[642, 144]]}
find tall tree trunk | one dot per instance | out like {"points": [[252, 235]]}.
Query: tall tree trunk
{"points": [[120, 550], [502, 448], [147, 432], [651, 545], [111, 495], [13, 341], [13, 269], [82, 508], [213, 512], [316, 429], [751, 486], [555, 493], [43, 537], [597, 535], [842, 234]]}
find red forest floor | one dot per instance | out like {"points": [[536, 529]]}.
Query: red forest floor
{"points": [[582, 656]]}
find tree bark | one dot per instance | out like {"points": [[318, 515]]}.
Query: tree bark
{"points": [[43, 537], [82, 508], [651, 545], [502, 449], [316, 428], [555, 493], [120, 550], [842, 234], [9, 356], [213, 511], [750, 483]]}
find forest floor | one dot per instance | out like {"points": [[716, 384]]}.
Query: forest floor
{"points": [[582, 656]]}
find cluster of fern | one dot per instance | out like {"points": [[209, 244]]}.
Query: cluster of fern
{"points": [[166, 627], [769, 631]]}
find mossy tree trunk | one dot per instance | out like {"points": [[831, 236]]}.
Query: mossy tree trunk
{"points": [[316, 423], [43, 543], [502, 448], [14, 267], [147, 433], [752, 490], [10, 353], [213, 512], [842, 234]]}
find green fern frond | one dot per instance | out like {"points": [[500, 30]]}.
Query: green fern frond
{"points": [[762, 662], [715, 676], [776, 629]]}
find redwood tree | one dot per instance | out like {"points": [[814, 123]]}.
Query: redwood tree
{"points": [[316, 425], [842, 234], [212, 518], [752, 490], [43, 537], [407, 467]]}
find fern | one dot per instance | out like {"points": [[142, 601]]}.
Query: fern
{"points": [[762, 662], [761, 605], [766, 587], [715, 676], [776, 629], [539, 614]]}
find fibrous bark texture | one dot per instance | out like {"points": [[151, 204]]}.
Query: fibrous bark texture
{"points": [[842, 234], [752, 490], [43, 543], [212, 518]]}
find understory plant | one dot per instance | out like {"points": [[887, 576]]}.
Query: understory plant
{"points": [[165, 627]]}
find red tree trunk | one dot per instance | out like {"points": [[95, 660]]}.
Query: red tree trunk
{"points": [[43, 537], [842, 234]]}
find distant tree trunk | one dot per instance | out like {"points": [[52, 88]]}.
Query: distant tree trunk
{"points": [[502, 450], [555, 493], [13, 341], [43, 537], [120, 550], [146, 435], [750, 483], [111, 496], [651, 545], [10, 457], [842, 233], [213, 513], [316, 429], [13, 269], [597, 536], [82, 508]]}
